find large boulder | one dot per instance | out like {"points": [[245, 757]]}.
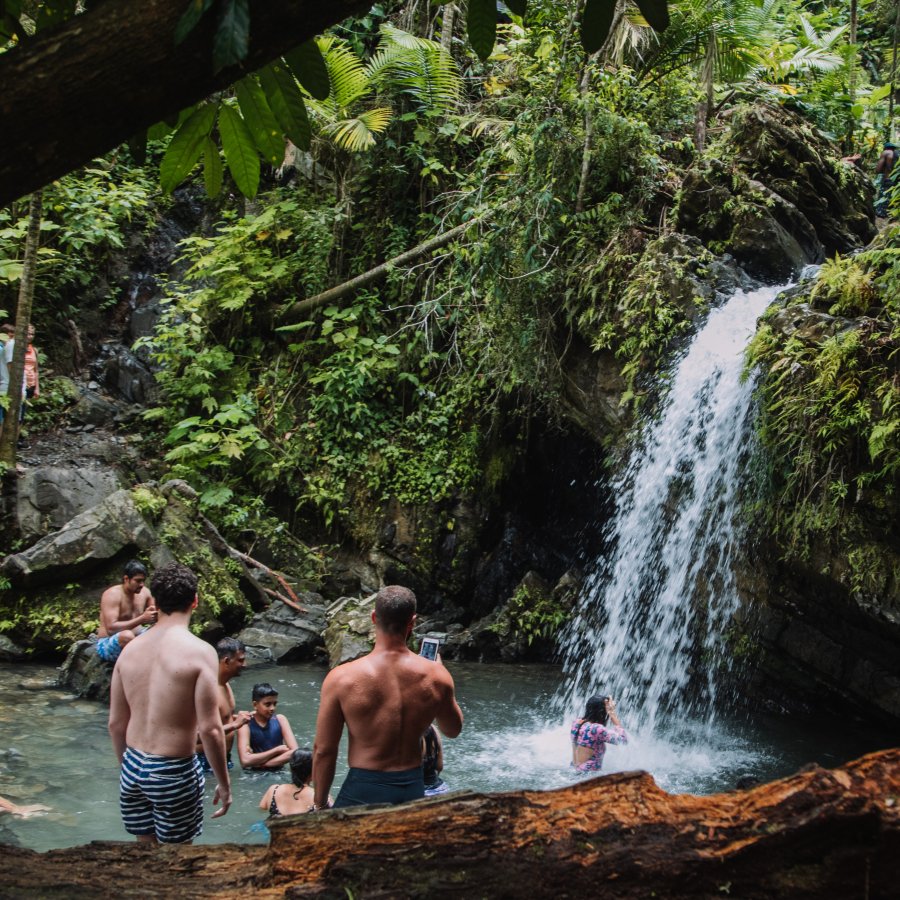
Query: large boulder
{"points": [[349, 632], [50, 496], [56, 583], [92, 538], [84, 673], [282, 634], [775, 193]]}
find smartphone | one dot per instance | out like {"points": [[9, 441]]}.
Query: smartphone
{"points": [[429, 648]]}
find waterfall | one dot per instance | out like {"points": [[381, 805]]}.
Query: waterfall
{"points": [[650, 624]]}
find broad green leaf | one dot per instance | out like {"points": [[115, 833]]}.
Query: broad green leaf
{"points": [[308, 65], [212, 168], [185, 147], [240, 153], [595, 23], [880, 93], [232, 37], [516, 6], [482, 26], [286, 102], [260, 120], [656, 12], [190, 17]]}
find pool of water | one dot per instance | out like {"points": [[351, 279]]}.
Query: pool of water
{"points": [[55, 750]]}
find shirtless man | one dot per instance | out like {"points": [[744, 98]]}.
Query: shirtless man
{"points": [[164, 693], [125, 611], [232, 661], [387, 699]]}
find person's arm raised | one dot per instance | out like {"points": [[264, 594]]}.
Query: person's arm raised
{"points": [[209, 726], [329, 728]]}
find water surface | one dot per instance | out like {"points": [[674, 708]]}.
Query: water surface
{"points": [[55, 750]]}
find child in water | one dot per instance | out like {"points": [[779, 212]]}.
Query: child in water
{"points": [[267, 742]]}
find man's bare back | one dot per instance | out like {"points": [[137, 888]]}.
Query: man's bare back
{"points": [[163, 678], [164, 693], [387, 699]]}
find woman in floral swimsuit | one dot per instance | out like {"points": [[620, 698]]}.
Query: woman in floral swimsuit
{"points": [[591, 733]]}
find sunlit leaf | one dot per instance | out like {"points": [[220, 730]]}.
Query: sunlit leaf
{"points": [[212, 168], [260, 120], [240, 152], [185, 147], [286, 103]]}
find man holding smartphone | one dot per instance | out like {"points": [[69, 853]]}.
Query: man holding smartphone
{"points": [[386, 699]]}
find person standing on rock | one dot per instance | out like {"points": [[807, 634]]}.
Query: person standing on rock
{"points": [[126, 610], [164, 693], [885, 176], [232, 661], [386, 699]]}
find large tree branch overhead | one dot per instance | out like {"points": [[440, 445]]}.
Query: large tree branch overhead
{"points": [[76, 91]]}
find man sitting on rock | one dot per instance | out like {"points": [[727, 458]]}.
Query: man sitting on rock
{"points": [[387, 699], [126, 610]]}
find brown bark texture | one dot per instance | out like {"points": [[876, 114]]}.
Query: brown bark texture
{"points": [[74, 92], [819, 833]]}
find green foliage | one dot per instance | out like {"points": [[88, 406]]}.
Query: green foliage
{"points": [[148, 502], [532, 616], [831, 411], [87, 216], [47, 409], [54, 621]]}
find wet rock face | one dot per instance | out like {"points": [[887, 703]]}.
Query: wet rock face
{"points": [[282, 635], [776, 195], [50, 496]]}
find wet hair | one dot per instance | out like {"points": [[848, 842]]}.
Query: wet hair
{"points": [[174, 588], [262, 690], [394, 608], [595, 711], [229, 646], [301, 766], [134, 567]]}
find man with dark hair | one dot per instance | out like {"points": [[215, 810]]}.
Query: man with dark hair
{"points": [[232, 661], [126, 610], [387, 699], [164, 693]]}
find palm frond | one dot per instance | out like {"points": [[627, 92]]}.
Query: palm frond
{"points": [[349, 80], [358, 134]]}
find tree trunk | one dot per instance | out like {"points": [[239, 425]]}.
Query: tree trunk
{"points": [[74, 92], [851, 76], [816, 834], [889, 133], [341, 292], [10, 433], [449, 17]]}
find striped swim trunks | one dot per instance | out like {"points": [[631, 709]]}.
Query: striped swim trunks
{"points": [[162, 796]]}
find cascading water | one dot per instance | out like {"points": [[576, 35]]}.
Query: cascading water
{"points": [[650, 625]]}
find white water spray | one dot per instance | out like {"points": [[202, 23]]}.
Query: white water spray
{"points": [[651, 620]]}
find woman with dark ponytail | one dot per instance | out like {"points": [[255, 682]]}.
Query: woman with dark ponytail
{"points": [[591, 733]]}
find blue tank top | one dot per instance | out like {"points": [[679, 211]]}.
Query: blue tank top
{"points": [[265, 738]]}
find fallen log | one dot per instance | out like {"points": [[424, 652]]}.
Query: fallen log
{"points": [[815, 834]]}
